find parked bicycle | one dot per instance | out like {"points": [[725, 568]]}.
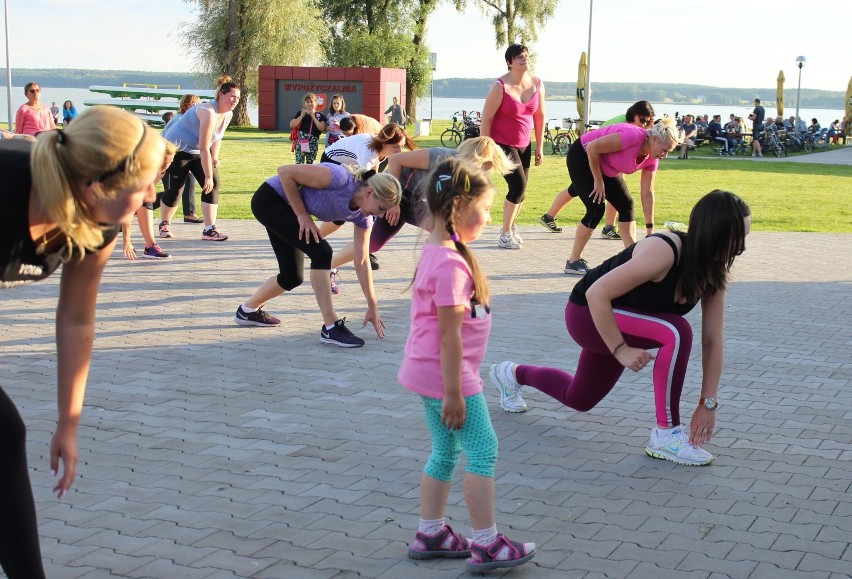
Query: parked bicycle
{"points": [[560, 139], [465, 125]]}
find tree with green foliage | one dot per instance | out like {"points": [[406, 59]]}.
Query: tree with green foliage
{"points": [[383, 33], [234, 37], [515, 21]]}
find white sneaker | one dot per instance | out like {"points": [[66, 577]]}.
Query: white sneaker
{"points": [[516, 234], [508, 241], [510, 390], [674, 445]]}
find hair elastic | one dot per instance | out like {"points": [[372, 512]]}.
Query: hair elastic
{"points": [[61, 138], [367, 174], [455, 237]]}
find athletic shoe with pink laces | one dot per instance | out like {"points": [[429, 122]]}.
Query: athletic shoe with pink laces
{"points": [[447, 544], [212, 234], [503, 552]]}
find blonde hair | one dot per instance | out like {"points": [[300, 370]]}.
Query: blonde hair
{"points": [[64, 163], [385, 186], [482, 150], [667, 132], [456, 183]]}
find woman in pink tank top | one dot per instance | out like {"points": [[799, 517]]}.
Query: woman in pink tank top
{"points": [[513, 107]]}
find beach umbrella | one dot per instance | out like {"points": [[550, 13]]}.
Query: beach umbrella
{"points": [[849, 109], [780, 95], [582, 77]]}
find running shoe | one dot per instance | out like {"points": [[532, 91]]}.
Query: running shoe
{"points": [[339, 335], [165, 232], [212, 234], [517, 234], [609, 232], [335, 289], [549, 223], [374, 262], [510, 390], [256, 318], [581, 267], [508, 241], [503, 552], [447, 544], [155, 252], [674, 445]]}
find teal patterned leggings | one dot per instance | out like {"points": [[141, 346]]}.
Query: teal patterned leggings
{"points": [[476, 438], [308, 158]]}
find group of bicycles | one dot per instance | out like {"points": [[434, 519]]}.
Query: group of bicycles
{"points": [[779, 141], [465, 125]]}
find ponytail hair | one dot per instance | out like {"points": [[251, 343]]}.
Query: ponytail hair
{"points": [[104, 147], [385, 186], [666, 131], [453, 185], [482, 150], [225, 84]]}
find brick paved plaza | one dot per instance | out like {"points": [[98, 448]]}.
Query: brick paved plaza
{"points": [[214, 450]]}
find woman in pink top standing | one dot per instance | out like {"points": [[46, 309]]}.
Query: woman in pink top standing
{"points": [[33, 117], [596, 162], [513, 107]]}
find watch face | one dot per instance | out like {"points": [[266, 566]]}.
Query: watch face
{"points": [[709, 403]]}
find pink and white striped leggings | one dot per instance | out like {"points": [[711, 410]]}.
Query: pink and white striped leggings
{"points": [[598, 370]]}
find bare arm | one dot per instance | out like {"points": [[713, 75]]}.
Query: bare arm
{"points": [[313, 176], [712, 362], [538, 124], [453, 409], [206, 118], [75, 334], [418, 159], [647, 195], [361, 261], [294, 123], [489, 109], [652, 259]]}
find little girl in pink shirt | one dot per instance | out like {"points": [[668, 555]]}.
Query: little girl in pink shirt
{"points": [[450, 323]]}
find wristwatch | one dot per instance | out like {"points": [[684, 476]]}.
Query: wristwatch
{"points": [[708, 403]]}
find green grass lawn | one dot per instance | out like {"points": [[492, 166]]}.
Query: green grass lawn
{"points": [[783, 196]]}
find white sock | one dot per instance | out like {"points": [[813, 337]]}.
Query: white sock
{"points": [[432, 527], [327, 327], [248, 310], [485, 536]]}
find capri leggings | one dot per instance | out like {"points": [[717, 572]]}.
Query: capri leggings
{"points": [[517, 179], [175, 177], [582, 183], [476, 437], [311, 154], [282, 226], [20, 554], [598, 370], [383, 231]]}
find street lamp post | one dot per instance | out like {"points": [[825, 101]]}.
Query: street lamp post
{"points": [[8, 66], [588, 69], [800, 60]]}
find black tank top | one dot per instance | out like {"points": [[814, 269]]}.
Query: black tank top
{"points": [[650, 296]]}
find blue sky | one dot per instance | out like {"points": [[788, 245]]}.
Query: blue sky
{"points": [[722, 43]]}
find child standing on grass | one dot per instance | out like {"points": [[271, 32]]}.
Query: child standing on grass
{"points": [[450, 323]]}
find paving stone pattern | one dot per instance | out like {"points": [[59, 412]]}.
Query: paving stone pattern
{"points": [[213, 450]]}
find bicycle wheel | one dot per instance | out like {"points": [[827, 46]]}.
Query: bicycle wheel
{"points": [[451, 138], [809, 145], [563, 142]]}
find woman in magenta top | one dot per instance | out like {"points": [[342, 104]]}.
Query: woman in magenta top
{"points": [[33, 117], [596, 162], [513, 107]]}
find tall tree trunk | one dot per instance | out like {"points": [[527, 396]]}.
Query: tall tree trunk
{"points": [[233, 65]]}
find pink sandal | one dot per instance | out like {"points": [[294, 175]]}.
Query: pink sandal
{"points": [[501, 553], [446, 544]]}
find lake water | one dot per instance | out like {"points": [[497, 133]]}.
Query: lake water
{"points": [[443, 108]]}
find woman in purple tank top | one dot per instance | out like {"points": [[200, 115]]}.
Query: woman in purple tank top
{"points": [[513, 107]]}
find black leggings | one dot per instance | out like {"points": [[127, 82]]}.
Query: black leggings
{"points": [[582, 183], [20, 554], [383, 231], [517, 179], [175, 178], [282, 226]]}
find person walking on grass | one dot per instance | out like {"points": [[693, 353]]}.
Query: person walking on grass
{"points": [[635, 301], [284, 204], [450, 323], [514, 107]]}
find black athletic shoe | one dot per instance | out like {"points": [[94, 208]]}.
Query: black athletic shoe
{"points": [[257, 318], [340, 335], [550, 223], [374, 262], [609, 232]]}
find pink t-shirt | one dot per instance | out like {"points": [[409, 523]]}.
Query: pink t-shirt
{"points": [[623, 161], [30, 122], [512, 124], [443, 279]]}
